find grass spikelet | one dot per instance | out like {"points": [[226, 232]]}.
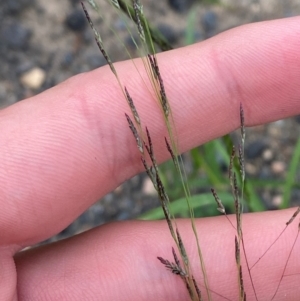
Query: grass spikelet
{"points": [[198, 292], [237, 250], [150, 172], [293, 216], [175, 257], [164, 203], [190, 290], [230, 168], [149, 149], [182, 248], [171, 153], [242, 120], [137, 12], [163, 96], [139, 7], [243, 293], [221, 207], [237, 205], [239, 267], [132, 107], [153, 67], [173, 267], [135, 134], [242, 163]]}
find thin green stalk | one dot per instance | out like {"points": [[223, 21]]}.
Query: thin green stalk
{"points": [[290, 178]]}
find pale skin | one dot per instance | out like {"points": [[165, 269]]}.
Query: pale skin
{"points": [[65, 148]]}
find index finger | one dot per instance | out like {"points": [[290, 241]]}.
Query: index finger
{"points": [[65, 148]]}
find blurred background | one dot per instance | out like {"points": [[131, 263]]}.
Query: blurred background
{"points": [[44, 43]]}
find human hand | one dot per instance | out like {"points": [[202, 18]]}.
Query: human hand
{"points": [[65, 148]]}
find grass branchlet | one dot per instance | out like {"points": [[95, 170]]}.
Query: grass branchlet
{"points": [[173, 267]]}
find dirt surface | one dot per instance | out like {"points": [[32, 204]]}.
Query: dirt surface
{"points": [[44, 43]]}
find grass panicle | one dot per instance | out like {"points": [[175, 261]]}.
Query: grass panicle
{"points": [[236, 170], [238, 204]]}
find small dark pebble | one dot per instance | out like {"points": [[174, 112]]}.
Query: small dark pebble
{"points": [[96, 60], [15, 36], [297, 118], [74, 2], [76, 20], [168, 32], [14, 7], [23, 67], [123, 215], [295, 198], [221, 162], [265, 173], [255, 149], [196, 37], [129, 42], [67, 60], [180, 6], [209, 22]]}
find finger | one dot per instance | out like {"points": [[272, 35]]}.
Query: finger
{"points": [[63, 149], [118, 262]]}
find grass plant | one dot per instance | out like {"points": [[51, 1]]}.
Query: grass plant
{"points": [[241, 189]]}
